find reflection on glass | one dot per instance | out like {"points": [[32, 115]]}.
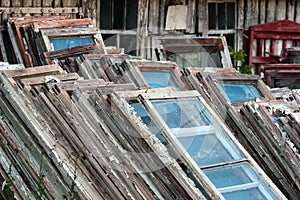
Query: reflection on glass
{"points": [[239, 181], [195, 129], [196, 55], [239, 92], [160, 79], [69, 42], [209, 146]]}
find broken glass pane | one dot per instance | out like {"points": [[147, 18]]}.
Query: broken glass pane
{"points": [[239, 92]]}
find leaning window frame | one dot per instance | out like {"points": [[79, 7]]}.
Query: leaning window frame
{"points": [[137, 67], [145, 97], [46, 35], [211, 81]]}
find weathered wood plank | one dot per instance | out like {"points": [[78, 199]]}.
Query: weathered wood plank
{"points": [[191, 18], [280, 10], [290, 9], [271, 10], [154, 8], [202, 17], [240, 24], [252, 13], [142, 30], [263, 11]]}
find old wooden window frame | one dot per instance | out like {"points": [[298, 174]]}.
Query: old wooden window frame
{"points": [[20, 46], [194, 45], [211, 79], [282, 71], [52, 56], [94, 33], [137, 67], [226, 31], [144, 97], [116, 34]]}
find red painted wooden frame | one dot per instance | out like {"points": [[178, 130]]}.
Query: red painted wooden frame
{"points": [[281, 30]]}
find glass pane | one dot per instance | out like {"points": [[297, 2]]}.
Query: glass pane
{"points": [[239, 92], [69, 42], [106, 15], [128, 42], [230, 15], [109, 40], [230, 39], [118, 20], [131, 14], [192, 124], [160, 79], [212, 21], [182, 113], [288, 81], [221, 16], [210, 149], [198, 55], [139, 109], [251, 186]]}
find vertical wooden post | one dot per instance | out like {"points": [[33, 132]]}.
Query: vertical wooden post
{"points": [[203, 17]]}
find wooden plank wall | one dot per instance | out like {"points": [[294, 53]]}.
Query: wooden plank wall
{"points": [[21, 8], [152, 13]]}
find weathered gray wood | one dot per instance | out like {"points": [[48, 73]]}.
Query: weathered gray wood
{"points": [[297, 11], [142, 30], [263, 11], [202, 17], [154, 8], [252, 13], [191, 18], [271, 10], [281, 10], [290, 9]]}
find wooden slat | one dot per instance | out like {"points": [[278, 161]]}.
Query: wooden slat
{"points": [[45, 10]]}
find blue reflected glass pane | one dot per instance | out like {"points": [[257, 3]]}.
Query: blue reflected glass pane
{"points": [[139, 109], [250, 185], [194, 127], [239, 92], [69, 42], [249, 194], [160, 79], [208, 149], [182, 113]]}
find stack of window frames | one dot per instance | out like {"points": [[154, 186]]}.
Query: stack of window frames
{"points": [[46, 40], [64, 127], [227, 91], [197, 138]]}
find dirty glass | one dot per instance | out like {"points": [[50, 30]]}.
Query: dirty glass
{"points": [[240, 92], [139, 109], [239, 181], [198, 133], [196, 55], [69, 42], [160, 79]]}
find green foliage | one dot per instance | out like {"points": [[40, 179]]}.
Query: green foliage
{"points": [[240, 56], [41, 185], [8, 192], [72, 193]]}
